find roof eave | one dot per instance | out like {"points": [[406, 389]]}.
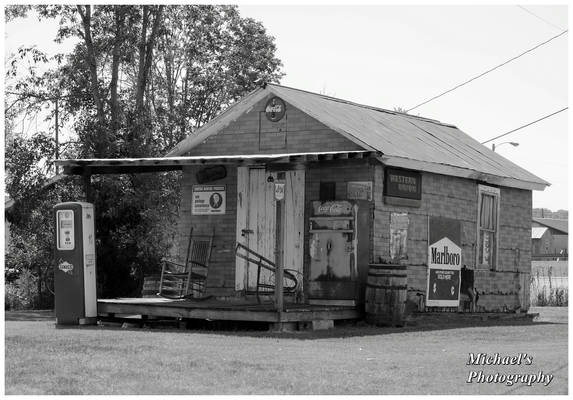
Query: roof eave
{"points": [[444, 169]]}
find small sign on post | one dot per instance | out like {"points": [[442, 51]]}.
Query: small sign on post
{"points": [[279, 191]]}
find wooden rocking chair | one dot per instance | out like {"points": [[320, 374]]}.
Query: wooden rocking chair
{"points": [[188, 280]]}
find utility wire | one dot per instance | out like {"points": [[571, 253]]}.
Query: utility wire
{"points": [[526, 125], [542, 19], [489, 70]]}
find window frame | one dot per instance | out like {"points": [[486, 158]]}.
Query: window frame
{"points": [[496, 193]]}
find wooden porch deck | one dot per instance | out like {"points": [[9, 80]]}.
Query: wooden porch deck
{"points": [[233, 310]]}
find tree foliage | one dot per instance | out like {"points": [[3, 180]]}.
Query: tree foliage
{"points": [[140, 79]]}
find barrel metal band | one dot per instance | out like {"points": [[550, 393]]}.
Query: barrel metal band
{"points": [[382, 275], [399, 287]]}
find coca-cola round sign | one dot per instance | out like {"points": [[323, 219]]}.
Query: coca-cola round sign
{"points": [[275, 109]]}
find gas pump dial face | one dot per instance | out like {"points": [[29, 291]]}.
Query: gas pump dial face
{"points": [[65, 219]]}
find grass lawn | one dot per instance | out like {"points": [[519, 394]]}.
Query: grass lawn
{"points": [[43, 359]]}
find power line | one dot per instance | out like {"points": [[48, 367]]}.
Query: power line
{"points": [[538, 17], [526, 125], [489, 70]]}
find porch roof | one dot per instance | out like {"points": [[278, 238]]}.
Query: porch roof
{"points": [[160, 164]]}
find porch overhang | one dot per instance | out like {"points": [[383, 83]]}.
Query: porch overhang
{"points": [[95, 166]]}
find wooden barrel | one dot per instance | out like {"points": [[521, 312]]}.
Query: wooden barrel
{"points": [[150, 285], [386, 291]]}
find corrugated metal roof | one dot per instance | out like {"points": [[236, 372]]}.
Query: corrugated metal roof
{"points": [[404, 136], [404, 140], [537, 232]]}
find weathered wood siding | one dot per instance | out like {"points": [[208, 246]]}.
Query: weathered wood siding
{"points": [[294, 220], [261, 220]]}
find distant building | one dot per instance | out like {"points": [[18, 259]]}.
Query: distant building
{"points": [[549, 238]]}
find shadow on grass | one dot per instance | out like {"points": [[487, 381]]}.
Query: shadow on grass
{"points": [[342, 329]]}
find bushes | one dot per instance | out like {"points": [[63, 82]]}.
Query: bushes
{"points": [[22, 293], [555, 297], [549, 290]]}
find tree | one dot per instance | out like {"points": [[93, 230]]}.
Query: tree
{"points": [[31, 229], [140, 79]]}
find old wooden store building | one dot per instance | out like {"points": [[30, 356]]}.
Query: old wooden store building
{"points": [[351, 205]]}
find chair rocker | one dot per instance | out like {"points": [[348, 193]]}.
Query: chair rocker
{"points": [[187, 280]]}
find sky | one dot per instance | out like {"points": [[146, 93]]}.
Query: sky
{"points": [[399, 56]]}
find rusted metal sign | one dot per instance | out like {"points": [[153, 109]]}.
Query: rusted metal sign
{"points": [[275, 109], [403, 183]]}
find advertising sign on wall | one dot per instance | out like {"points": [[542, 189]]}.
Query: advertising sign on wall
{"points": [[275, 109], [331, 208], [399, 223], [444, 263], [209, 199], [403, 183], [359, 190]]}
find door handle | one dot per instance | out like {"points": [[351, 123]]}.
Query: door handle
{"points": [[246, 231]]}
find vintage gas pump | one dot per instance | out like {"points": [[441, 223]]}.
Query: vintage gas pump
{"points": [[75, 270]]}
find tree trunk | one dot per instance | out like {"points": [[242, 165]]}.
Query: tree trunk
{"points": [[113, 85], [140, 89], [100, 142], [146, 45]]}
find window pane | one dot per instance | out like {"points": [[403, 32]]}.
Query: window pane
{"points": [[488, 212]]}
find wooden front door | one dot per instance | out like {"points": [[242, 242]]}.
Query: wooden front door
{"points": [[259, 225]]}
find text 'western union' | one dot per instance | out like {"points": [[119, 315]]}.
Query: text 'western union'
{"points": [[405, 183]]}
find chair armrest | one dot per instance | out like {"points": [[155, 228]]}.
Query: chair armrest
{"points": [[166, 261], [171, 267], [197, 263]]}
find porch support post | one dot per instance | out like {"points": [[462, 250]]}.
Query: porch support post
{"points": [[88, 190], [279, 273]]}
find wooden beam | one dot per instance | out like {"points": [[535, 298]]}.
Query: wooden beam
{"points": [[88, 189], [182, 312], [304, 316], [247, 313]]}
